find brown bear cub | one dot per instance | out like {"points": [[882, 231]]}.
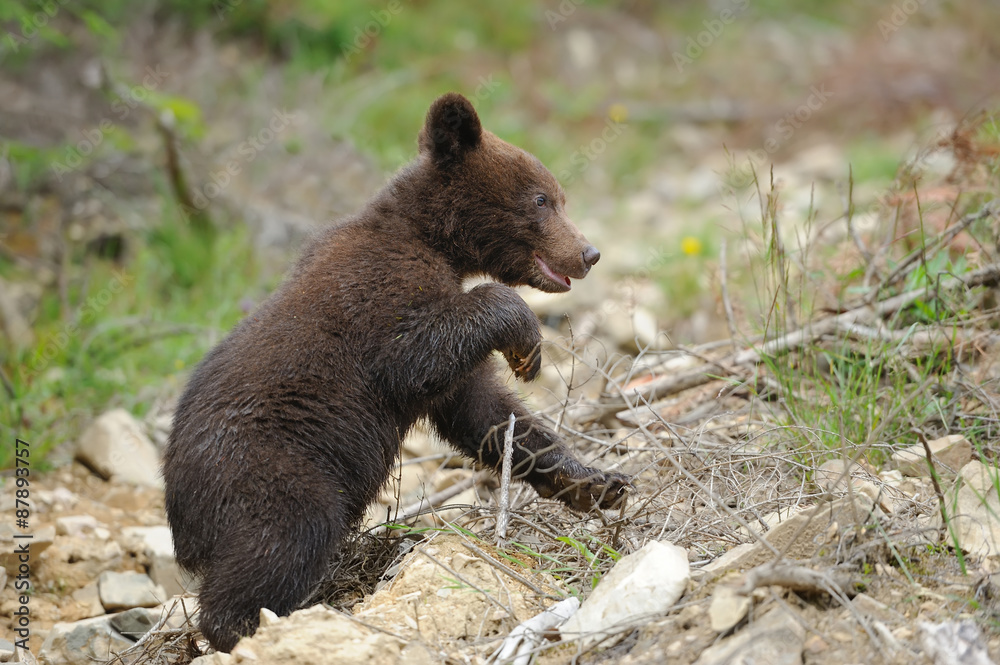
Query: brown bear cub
{"points": [[291, 425]]}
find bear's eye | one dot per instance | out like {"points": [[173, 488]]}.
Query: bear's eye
{"points": [[540, 200]]}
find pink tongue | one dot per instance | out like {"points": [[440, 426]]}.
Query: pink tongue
{"points": [[550, 273]]}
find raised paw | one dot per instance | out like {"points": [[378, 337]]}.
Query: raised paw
{"points": [[525, 367]]}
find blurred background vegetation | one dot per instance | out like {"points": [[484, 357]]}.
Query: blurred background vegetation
{"points": [[160, 161]]}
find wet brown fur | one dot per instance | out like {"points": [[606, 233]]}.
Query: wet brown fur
{"points": [[291, 425]]}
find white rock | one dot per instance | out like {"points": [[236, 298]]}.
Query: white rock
{"points": [[316, 635], [974, 509], [950, 453], [728, 608], [737, 558], [115, 446], [776, 639], [954, 643], [120, 591], [89, 599], [155, 542], [58, 500], [76, 525], [82, 642], [830, 476], [646, 582], [11, 542]]}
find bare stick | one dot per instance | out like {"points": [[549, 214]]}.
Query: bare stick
{"points": [[503, 518], [517, 648], [934, 480], [946, 237], [796, 578]]}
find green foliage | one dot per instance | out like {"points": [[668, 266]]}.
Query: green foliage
{"points": [[591, 558], [124, 331]]}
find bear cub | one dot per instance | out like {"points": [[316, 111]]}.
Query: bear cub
{"points": [[290, 426]]}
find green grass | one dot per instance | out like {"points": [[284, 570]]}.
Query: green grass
{"points": [[127, 337]]}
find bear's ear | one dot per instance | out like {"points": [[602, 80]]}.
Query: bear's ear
{"points": [[451, 130]]}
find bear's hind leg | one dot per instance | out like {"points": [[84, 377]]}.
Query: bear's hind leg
{"points": [[256, 568]]}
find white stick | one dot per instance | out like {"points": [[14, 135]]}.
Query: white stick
{"points": [[518, 646], [503, 518]]}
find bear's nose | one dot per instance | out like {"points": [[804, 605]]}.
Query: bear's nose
{"points": [[590, 256]]}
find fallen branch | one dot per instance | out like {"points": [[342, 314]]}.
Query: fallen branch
{"points": [[797, 578], [664, 386]]}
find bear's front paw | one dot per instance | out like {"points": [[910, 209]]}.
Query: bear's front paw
{"points": [[525, 367], [601, 489]]}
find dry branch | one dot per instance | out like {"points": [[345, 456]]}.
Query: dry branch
{"points": [[865, 314], [797, 578]]}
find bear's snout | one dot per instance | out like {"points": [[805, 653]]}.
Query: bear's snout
{"points": [[590, 257]]}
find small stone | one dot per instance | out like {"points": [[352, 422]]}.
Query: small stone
{"points": [[777, 638], [954, 643], [975, 506], [89, 600], [81, 643], [158, 546], [728, 608], [830, 477], [133, 623], [815, 644], [734, 559], [6, 651], [76, 525], [11, 538], [646, 582], [315, 635], [115, 446], [121, 591], [875, 609], [949, 453]]}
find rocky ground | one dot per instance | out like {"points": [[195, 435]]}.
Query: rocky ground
{"points": [[841, 572]]}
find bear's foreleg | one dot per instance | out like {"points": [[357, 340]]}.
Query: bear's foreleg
{"points": [[473, 417]]}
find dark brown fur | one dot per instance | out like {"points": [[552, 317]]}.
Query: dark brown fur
{"points": [[290, 426]]}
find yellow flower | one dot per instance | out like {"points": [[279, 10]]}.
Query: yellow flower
{"points": [[691, 246], [618, 113]]}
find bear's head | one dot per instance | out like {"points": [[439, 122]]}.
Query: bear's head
{"points": [[498, 210]]}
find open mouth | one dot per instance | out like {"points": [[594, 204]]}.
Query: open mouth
{"points": [[560, 282]]}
